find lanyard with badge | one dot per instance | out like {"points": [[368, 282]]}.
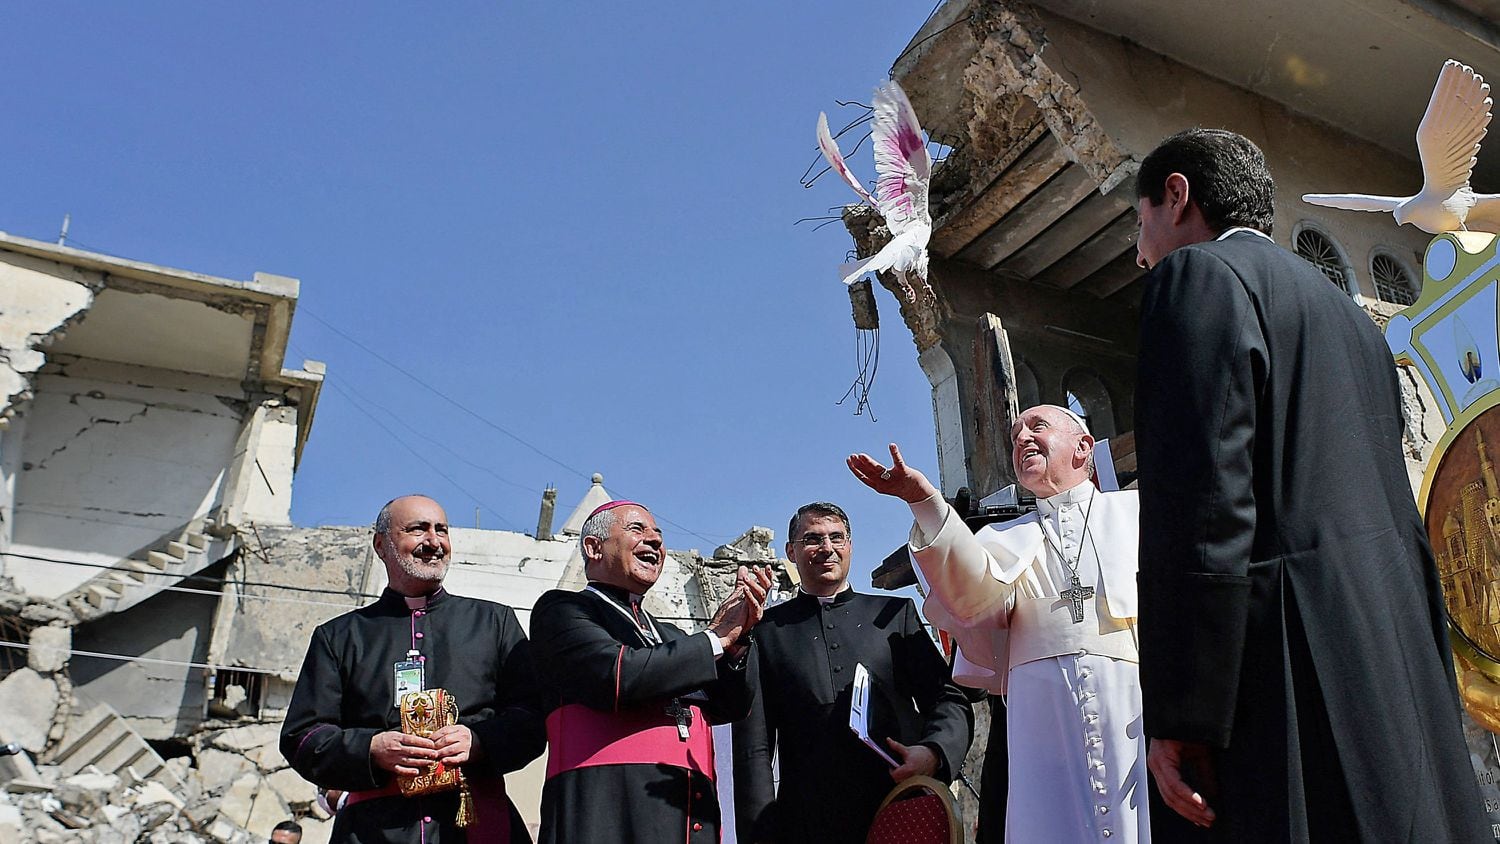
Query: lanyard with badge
{"points": [[409, 676]]}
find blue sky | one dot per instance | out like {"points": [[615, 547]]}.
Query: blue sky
{"points": [[574, 220]]}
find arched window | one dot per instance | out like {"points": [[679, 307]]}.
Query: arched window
{"points": [[1027, 392], [1392, 281], [1319, 250], [1088, 397]]}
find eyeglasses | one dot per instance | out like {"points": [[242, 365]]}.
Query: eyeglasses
{"points": [[816, 540]]}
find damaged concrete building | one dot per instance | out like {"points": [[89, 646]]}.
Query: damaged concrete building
{"points": [[155, 599], [149, 421], [1049, 107]]}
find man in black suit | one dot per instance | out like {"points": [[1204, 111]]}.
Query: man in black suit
{"points": [[801, 675], [1294, 660]]}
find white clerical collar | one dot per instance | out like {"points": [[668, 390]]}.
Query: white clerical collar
{"points": [[826, 599], [1077, 495], [1238, 229], [420, 602]]}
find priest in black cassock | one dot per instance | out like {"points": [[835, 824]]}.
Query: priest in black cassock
{"points": [[802, 673], [1294, 658], [343, 726], [632, 698]]}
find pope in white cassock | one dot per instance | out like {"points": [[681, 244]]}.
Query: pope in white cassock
{"points": [[1044, 610]]}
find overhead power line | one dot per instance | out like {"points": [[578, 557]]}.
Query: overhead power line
{"points": [[557, 582], [442, 395], [151, 660], [426, 384], [415, 453]]}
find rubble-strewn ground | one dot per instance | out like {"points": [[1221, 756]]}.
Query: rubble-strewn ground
{"points": [[239, 789]]}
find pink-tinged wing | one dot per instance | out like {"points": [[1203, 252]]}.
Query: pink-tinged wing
{"points": [[903, 168], [1457, 118], [835, 159]]}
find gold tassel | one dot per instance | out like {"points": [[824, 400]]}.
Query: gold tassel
{"points": [[465, 803]]}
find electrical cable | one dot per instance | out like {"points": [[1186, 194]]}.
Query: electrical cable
{"points": [[417, 454], [483, 419], [155, 660], [362, 595]]}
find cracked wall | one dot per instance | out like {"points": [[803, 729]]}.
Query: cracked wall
{"points": [[114, 458], [268, 494], [159, 699], [39, 306]]}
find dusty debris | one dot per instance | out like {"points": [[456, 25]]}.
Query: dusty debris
{"points": [[96, 807], [29, 702], [50, 646]]}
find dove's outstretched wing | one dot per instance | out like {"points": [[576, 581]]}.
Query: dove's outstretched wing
{"points": [[903, 168], [1457, 118], [835, 159], [1354, 201]]}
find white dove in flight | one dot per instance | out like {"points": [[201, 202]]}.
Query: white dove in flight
{"points": [[1457, 118], [903, 170]]}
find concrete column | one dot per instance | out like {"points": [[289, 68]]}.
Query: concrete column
{"points": [[947, 419]]}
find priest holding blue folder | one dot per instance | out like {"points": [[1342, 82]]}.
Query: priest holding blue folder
{"points": [[802, 671]]}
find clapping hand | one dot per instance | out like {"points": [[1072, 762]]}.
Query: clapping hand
{"points": [[743, 608], [901, 480]]}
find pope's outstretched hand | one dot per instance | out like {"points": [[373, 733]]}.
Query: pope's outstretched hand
{"points": [[900, 480]]}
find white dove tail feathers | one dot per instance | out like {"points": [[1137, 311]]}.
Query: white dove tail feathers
{"points": [[1353, 201], [852, 271]]}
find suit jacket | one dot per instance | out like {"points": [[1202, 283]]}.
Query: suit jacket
{"points": [[1291, 613], [973, 580], [802, 674]]}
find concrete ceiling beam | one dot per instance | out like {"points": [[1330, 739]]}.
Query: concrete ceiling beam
{"points": [[1094, 254], [1012, 184], [1028, 220], [1081, 223]]}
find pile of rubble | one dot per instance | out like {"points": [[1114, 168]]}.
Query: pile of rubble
{"points": [[103, 783], [97, 808], [237, 792], [239, 789], [77, 771]]}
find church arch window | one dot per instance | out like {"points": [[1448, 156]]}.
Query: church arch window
{"points": [[1087, 396], [1393, 281], [1028, 393], [1320, 250]]}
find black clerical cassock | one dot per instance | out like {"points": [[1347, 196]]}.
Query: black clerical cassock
{"points": [[802, 674], [1291, 615], [631, 702], [346, 694]]}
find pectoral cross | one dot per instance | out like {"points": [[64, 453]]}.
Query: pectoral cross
{"points": [[1076, 594], [682, 715]]}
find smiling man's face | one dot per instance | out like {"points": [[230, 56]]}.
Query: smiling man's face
{"points": [[415, 549], [1049, 450], [631, 556]]}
